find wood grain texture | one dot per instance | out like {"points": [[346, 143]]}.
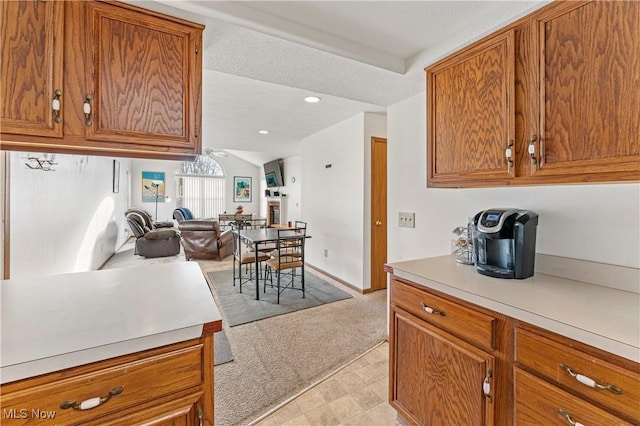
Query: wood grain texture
{"points": [[144, 72], [438, 378], [538, 403], [576, 88], [591, 73], [544, 356], [31, 70], [378, 213], [468, 324], [471, 111]]}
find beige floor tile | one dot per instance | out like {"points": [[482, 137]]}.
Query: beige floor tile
{"points": [[351, 382], [383, 414], [322, 416], [344, 408], [367, 398], [369, 374], [331, 390], [298, 421], [374, 356], [360, 420], [380, 388], [286, 413], [310, 400]]}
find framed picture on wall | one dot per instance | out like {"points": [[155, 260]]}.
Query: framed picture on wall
{"points": [[116, 176], [241, 189], [152, 187]]}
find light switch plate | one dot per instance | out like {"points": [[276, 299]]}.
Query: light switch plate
{"points": [[406, 220]]}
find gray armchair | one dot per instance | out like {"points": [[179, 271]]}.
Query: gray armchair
{"points": [[156, 242]]}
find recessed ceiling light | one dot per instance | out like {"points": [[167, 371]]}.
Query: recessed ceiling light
{"points": [[312, 99], [263, 132]]}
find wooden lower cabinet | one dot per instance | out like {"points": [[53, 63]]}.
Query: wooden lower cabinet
{"points": [[438, 368], [170, 385], [437, 379]]}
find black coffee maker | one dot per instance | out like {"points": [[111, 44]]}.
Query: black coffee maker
{"points": [[504, 242]]}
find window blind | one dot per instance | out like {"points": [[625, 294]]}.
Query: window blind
{"points": [[203, 195]]}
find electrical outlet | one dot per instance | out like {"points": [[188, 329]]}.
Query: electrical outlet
{"points": [[326, 253], [406, 220]]}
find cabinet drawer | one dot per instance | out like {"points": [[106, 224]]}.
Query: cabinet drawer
{"points": [[540, 403], [548, 357], [142, 380], [466, 323]]}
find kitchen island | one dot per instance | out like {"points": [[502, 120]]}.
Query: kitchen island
{"points": [[561, 346], [119, 346]]}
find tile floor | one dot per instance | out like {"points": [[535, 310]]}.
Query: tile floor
{"points": [[355, 395]]}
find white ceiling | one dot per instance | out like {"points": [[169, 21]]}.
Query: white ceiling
{"points": [[261, 58]]}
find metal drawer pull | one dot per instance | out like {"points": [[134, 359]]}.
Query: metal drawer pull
{"points": [[91, 402], [569, 418], [590, 382], [508, 153], [200, 417], [55, 105], [429, 310], [486, 386], [532, 149], [86, 108]]}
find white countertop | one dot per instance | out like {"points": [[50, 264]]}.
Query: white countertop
{"points": [[62, 321], [603, 317]]}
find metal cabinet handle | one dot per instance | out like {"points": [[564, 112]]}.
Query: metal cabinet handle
{"points": [[532, 149], [569, 418], [92, 402], [486, 386], [55, 105], [200, 417], [508, 153], [86, 108], [590, 382], [430, 310]]}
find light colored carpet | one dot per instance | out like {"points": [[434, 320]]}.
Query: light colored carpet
{"points": [[278, 357], [240, 308]]}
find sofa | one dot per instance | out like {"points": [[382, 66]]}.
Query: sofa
{"points": [[202, 239]]}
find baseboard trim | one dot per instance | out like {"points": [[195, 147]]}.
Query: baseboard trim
{"points": [[114, 253], [340, 280]]}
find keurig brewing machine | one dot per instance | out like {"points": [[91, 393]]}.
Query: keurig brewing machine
{"points": [[504, 242]]}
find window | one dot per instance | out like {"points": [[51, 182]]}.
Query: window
{"points": [[201, 187]]}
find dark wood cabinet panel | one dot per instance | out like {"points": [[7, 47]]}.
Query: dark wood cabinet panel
{"points": [[141, 67], [32, 48], [471, 114], [572, 99], [590, 89], [436, 378], [132, 80]]}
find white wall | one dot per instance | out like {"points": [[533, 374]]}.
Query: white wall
{"points": [[293, 204], [231, 165], [2, 197], [333, 198], [596, 222], [67, 220]]}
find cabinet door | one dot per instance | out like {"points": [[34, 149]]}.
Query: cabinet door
{"points": [[589, 91], [471, 114], [32, 39], [437, 379], [146, 78]]}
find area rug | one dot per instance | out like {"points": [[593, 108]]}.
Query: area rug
{"points": [[221, 348], [241, 308]]}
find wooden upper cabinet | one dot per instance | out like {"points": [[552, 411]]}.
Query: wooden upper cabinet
{"points": [[130, 80], [568, 96], [590, 91], [471, 114], [145, 78], [31, 75]]}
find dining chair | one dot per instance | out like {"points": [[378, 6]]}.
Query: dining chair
{"points": [[287, 259], [241, 256]]}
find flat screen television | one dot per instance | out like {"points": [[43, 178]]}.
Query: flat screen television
{"points": [[273, 174]]}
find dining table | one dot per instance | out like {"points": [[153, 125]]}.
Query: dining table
{"points": [[261, 237]]}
